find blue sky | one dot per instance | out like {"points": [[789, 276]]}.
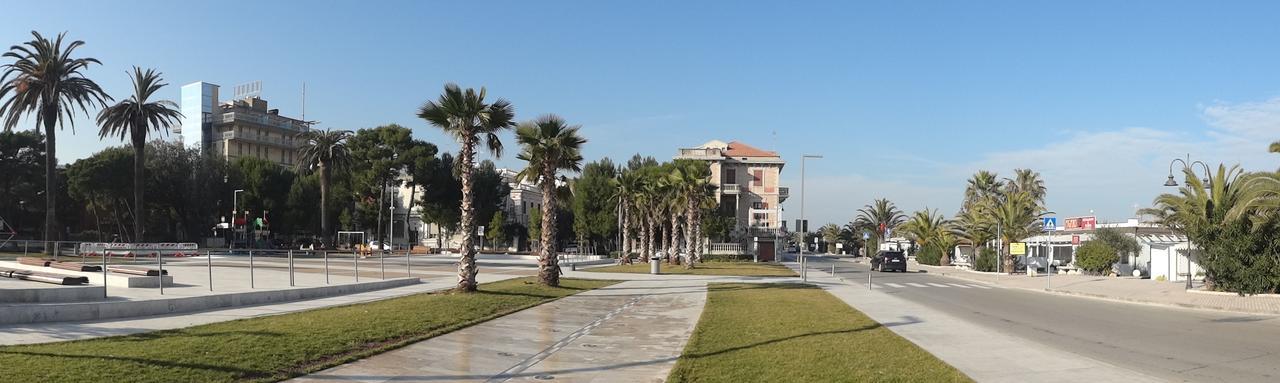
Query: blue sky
{"points": [[904, 99]]}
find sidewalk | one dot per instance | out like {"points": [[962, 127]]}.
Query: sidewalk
{"points": [[64, 331], [983, 355], [1132, 290], [629, 332]]}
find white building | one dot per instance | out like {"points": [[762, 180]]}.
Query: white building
{"points": [[524, 199]]}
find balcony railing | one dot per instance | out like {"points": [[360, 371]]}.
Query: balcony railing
{"points": [[730, 189], [700, 152], [279, 141], [783, 193], [264, 119]]}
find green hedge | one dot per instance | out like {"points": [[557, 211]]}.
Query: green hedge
{"points": [[1096, 257], [986, 260], [929, 255]]}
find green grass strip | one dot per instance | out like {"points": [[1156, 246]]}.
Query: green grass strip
{"points": [[798, 333], [749, 269], [276, 347]]}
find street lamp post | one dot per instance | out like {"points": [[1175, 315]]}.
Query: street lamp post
{"points": [[804, 275], [1188, 166]]}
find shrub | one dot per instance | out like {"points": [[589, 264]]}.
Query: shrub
{"points": [[727, 257], [986, 260], [1096, 257], [929, 255]]}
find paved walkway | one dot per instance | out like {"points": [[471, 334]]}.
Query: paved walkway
{"points": [[1125, 289], [984, 355], [629, 332], [63, 331]]}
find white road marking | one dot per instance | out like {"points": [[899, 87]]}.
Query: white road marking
{"points": [[893, 285], [958, 285], [937, 284], [979, 286], [913, 284]]}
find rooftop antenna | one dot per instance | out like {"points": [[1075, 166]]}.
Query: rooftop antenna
{"points": [[304, 107]]}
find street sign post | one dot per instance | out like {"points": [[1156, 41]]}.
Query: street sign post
{"points": [[1050, 224]]}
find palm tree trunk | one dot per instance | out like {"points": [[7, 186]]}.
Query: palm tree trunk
{"points": [[673, 235], [689, 227], [324, 205], [139, 153], [50, 176], [625, 254], [467, 263], [548, 264]]}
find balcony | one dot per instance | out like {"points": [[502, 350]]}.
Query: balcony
{"points": [[284, 142], [783, 193], [264, 120], [701, 154], [730, 189]]}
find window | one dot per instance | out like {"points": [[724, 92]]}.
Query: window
{"points": [[730, 176], [757, 205], [757, 177]]}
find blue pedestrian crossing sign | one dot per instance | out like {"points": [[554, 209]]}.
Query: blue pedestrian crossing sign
{"points": [[1050, 223]]}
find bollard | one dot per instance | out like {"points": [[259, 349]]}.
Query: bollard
{"points": [[833, 268], [868, 279], [326, 267], [408, 269], [355, 258], [290, 268], [209, 257], [251, 269], [160, 275], [25, 246], [382, 263]]}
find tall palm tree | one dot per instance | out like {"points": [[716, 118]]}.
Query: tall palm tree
{"points": [[549, 145], [324, 151], [1018, 216], [1027, 181], [45, 80], [468, 118], [971, 228], [624, 190], [691, 180], [134, 118], [983, 186], [880, 217], [1275, 147]]}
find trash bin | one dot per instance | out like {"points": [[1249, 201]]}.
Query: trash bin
{"points": [[655, 263]]}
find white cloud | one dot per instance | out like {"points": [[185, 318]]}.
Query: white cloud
{"points": [[1108, 172]]}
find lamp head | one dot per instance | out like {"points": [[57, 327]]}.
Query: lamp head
{"points": [[1170, 181]]}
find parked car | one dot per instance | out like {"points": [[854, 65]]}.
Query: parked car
{"points": [[889, 261], [378, 245]]}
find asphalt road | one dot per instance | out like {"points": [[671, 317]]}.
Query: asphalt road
{"points": [[1167, 343]]}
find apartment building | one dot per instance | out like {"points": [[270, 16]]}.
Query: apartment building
{"points": [[747, 183], [244, 126]]}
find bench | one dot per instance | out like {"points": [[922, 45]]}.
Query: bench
{"points": [[72, 266], [35, 276], [137, 271]]}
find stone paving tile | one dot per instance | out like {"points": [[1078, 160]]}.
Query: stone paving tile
{"points": [[630, 332]]}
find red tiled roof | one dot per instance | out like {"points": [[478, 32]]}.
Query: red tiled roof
{"points": [[738, 149]]}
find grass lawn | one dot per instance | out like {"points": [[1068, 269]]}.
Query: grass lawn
{"points": [[797, 333], [751, 269], [276, 347]]}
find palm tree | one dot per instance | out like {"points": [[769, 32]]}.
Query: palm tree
{"points": [[1018, 216], [135, 118], [45, 80], [983, 186], [929, 228], [971, 228], [549, 145], [324, 151], [468, 118], [624, 190], [880, 217], [692, 181], [1275, 147], [1027, 181]]}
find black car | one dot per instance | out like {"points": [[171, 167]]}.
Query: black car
{"points": [[889, 261]]}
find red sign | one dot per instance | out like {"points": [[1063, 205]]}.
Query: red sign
{"points": [[1081, 223], [1075, 240]]}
